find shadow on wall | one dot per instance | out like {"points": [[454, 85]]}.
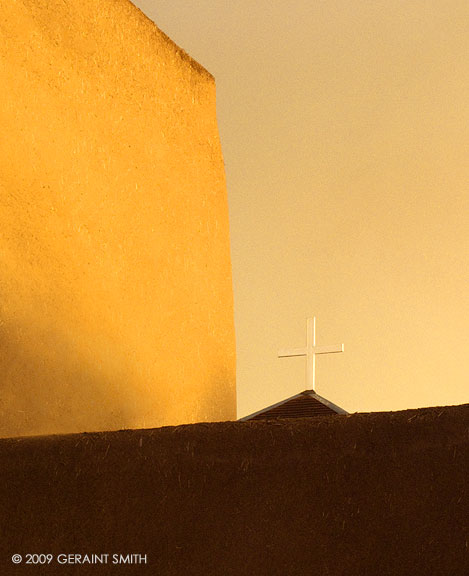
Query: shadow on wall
{"points": [[52, 382], [219, 393], [355, 495]]}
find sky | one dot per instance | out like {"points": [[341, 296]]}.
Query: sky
{"points": [[344, 135]]}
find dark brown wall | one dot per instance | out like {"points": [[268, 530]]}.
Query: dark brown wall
{"points": [[382, 493]]}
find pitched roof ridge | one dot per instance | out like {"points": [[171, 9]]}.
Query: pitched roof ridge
{"points": [[311, 394]]}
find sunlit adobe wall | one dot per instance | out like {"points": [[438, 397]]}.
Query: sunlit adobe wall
{"points": [[115, 280]]}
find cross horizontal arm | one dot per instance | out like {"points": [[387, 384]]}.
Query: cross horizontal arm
{"points": [[292, 352], [328, 349]]}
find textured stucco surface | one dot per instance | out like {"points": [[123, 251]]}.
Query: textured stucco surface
{"points": [[115, 280], [380, 494]]}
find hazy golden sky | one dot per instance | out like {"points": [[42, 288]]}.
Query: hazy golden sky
{"points": [[345, 133]]}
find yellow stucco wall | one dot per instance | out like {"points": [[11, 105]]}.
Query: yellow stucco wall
{"points": [[115, 281]]}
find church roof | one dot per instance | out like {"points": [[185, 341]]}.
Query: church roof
{"points": [[307, 404]]}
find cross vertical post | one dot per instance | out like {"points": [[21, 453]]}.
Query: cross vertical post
{"points": [[311, 357]]}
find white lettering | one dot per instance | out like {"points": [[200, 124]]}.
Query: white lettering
{"points": [[129, 558], [82, 558]]}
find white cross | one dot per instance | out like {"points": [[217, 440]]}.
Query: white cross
{"points": [[310, 352]]}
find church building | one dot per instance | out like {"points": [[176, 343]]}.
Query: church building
{"points": [[116, 304], [307, 404]]}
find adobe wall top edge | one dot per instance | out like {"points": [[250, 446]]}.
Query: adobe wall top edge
{"points": [[182, 53]]}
